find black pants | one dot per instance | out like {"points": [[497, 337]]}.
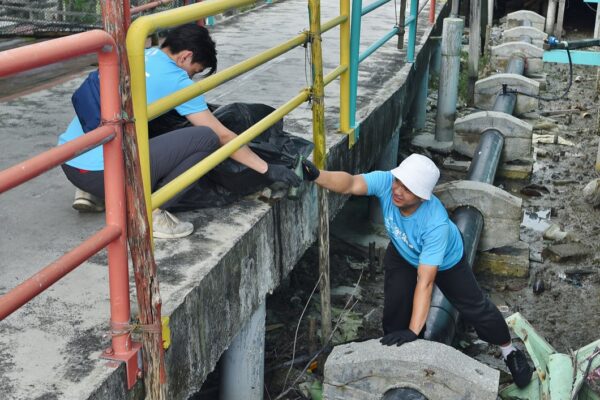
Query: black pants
{"points": [[459, 286], [171, 154]]}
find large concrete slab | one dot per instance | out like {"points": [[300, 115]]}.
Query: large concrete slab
{"points": [[367, 370], [514, 34], [501, 54], [517, 134], [501, 210], [487, 90], [212, 281], [517, 18]]}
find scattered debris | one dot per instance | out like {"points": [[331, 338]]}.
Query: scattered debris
{"points": [[534, 190], [551, 139], [591, 192], [347, 291], [559, 112], [553, 232], [538, 285], [580, 271], [567, 251]]}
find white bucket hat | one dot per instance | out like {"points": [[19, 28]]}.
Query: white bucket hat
{"points": [[419, 174]]}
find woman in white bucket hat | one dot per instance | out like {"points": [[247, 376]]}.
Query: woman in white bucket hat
{"points": [[425, 248]]}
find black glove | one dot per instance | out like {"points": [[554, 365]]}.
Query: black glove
{"points": [[310, 170], [398, 338], [280, 173]]}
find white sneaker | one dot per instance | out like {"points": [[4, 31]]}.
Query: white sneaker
{"points": [[87, 203], [167, 226]]}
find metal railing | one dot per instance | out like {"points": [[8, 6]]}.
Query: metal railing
{"points": [[109, 135], [356, 56], [145, 26], [347, 70]]}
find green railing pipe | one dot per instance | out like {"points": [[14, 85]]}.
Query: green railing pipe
{"points": [[373, 6], [355, 20], [412, 31], [378, 44]]}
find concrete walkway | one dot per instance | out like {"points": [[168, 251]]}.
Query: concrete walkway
{"points": [[210, 282]]}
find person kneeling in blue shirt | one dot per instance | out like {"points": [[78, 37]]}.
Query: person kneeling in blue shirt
{"points": [[187, 50], [425, 248]]}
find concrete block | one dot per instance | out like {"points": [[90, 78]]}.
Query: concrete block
{"points": [[503, 52], [516, 171], [456, 165], [566, 251], [511, 260], [514, 35], [501, 210], [487, 89], [517, 18], [540, 77], [367, 370], [517, 134]]}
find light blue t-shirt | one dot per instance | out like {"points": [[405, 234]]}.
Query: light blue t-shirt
{"points": [[163, 77], [427, 236]]}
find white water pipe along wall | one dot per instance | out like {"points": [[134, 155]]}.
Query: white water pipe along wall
{"points": [[243, 364], [448, 88]]}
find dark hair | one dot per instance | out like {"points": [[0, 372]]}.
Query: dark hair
{"points": [[196, 39]]}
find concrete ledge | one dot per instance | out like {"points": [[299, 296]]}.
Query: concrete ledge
{"points": [[511, 260], [367, 370], [503, 52], [501, 210], [487, 89], [517, 134], [516, 18], [514, 35]]}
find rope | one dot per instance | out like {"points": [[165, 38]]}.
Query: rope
{"points": [[125, 328]]}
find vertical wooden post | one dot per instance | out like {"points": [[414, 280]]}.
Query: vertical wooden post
{"points": [[140, 243], [318, 113], [551, 17], [474, 48], [402, 28], [560, 18]]}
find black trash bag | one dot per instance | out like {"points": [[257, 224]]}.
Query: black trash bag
{"points": [[230, 180], [274, 145]]}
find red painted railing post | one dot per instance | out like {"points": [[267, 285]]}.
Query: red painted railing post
{"points": [[114, 184], [431, 11]]}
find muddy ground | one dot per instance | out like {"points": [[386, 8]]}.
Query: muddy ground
{"points": [[564, 305]]}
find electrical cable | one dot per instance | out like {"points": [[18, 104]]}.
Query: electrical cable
{"points": [[535, 96]]}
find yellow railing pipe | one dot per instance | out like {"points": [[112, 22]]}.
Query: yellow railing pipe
{"points": [[197, 171], [139, 30], [334, 74], [345, 77], [167, 103], [332, 23]]}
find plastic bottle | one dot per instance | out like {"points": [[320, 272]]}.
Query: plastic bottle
{"points": [[294, 192]]}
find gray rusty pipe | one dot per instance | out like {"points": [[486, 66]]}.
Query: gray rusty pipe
{"points": [[443, 317]]}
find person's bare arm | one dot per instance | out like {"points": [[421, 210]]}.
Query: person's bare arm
{"points": [[342, 182], [244, 155], [422, 298]]}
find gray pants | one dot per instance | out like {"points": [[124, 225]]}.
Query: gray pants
{"points": [[171, 154]]}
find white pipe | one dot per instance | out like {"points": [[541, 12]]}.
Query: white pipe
{"points": [[448, 87], [243, 364], [551, 16]]}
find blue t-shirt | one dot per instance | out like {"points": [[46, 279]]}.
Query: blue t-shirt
{"points": [[425, 237], [163, 77]]}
